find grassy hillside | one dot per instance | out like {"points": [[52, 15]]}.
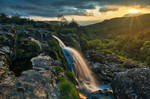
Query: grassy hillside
{"points": [[118, 26], [126, 36]]}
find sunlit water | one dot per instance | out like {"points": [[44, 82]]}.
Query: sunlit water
{"points": [[78, 65]]}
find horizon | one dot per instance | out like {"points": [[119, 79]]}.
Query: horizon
{"points": [[84, 12]]}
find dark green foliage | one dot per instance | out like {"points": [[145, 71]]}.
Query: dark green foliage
{"points": [[52, 27], [73, 24], [60, 77], [95, 44], [3, 17], [71, 76], [67, 30], [4, 39], [56, 51], [122, 37], [25, 50], [14, 19], [58, 69], [68, 90]]}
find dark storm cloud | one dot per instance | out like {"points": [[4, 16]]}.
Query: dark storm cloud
{"points": [[52, 8], [107, 9]]}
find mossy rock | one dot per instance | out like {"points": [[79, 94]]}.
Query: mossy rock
{"points": [[25, 48]]}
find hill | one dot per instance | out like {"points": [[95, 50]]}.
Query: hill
{"points": [[126, 36], [119, 26]]}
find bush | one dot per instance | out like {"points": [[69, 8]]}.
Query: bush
{"points": [[68, 90], [56, 51], [70, 76], [58, 69], [60, 77], [95, 44], [26, 48]]}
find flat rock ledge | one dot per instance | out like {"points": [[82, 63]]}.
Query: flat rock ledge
{"points": [[33, 84]]}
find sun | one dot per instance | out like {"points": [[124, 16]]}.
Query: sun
{"points": [[133, 11]]}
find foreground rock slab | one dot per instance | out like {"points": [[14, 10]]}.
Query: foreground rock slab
{"points": [[33, 84]]}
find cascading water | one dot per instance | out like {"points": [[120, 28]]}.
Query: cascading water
{"points": [[77, 64]]}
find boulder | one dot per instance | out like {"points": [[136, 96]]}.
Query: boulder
{"points": [[42, 62], [39, 83], [132, 84], [32, 85]]}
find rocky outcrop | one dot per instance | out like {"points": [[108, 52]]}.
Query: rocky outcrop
{"points": [[6, 77], [106, 72], [107, 65], [42, 62], [132, 84], [40, 83]]}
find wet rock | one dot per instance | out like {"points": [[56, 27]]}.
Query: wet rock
{"points": [[132, 84], [102, 94], [57, 63], [5, 49]]}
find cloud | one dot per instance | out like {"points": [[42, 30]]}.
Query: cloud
{"points": [[107, 9], [52, 8]]}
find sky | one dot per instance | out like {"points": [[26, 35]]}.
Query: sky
{"points": [[83, 11]]}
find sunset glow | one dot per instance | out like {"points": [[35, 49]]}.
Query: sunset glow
{"points": [[133, 11]]}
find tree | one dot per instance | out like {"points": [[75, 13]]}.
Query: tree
{"points": [[95, 44], [73, 23], [63, 20]]}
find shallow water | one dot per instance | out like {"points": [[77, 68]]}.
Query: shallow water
{"points": [[105, 86]]}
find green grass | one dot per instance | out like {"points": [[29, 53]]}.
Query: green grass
{"points": [[68, 90]]}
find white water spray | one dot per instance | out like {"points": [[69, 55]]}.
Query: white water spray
{"points": [[77, 64]]}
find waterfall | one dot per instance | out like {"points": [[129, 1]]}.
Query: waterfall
{"points": [[78, 65]]}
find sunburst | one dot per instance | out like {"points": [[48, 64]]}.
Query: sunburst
{"points": [[133, 11]]}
